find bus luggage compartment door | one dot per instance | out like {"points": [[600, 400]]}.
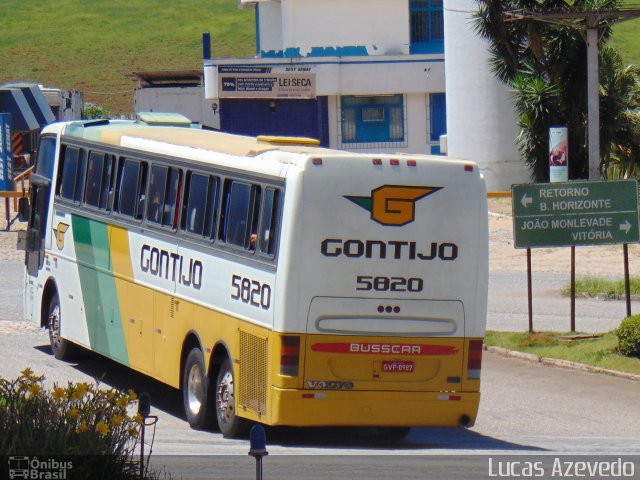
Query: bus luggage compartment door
{"points": [[384, 344]]}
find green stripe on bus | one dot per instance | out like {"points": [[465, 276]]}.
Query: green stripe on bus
{"points": [[101, 305]]}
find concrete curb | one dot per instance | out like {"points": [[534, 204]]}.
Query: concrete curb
{"points": [[554, 362]]}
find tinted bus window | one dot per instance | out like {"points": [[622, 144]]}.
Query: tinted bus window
{"points": [[157, 186], [79, 184], [237, 223], [131, 198], [95, 168], [169, 217], [196, 203], [69, 172], [269, 221], [107, 182], [46, 157]]}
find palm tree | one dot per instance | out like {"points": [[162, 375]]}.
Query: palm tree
{"points": [[545, 64]]}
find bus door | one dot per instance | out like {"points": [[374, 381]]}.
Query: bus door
{"points": [[38, 223]]}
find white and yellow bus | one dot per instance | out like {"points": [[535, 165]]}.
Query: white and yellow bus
{"points": [[270, 280]]}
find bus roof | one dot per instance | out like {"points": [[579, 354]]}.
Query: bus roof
{"points": [[112, 132]]}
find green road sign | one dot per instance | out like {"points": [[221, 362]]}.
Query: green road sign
{"points": [[575, 213]]}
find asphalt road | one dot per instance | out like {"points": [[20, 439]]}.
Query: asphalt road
{"points": [[526, 409]]}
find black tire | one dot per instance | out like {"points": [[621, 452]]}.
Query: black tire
{"points": [[230, 425], [197, 394], [61, 348], [393, 433]]}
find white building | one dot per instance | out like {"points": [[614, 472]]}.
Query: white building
{"points": [[363, 76], [356, 78]]}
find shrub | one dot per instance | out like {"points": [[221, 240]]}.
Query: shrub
{"points": [[97, 428], [628, 334]]}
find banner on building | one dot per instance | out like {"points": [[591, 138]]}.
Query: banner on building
{"points": [[558, 154], [266, 82]]}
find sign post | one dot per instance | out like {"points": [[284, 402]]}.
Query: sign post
{"points": [[575, 213]]}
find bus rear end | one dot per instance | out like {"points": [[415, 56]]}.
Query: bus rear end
{"points": [[385, 273]]}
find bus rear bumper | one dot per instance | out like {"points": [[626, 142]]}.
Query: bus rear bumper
{"points": [[308, 408]]}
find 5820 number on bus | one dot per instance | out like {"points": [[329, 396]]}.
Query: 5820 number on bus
{"points": [[251, 292], [389, 284]]}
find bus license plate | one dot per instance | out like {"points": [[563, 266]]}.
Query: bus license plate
{"points": [[397, 366]]}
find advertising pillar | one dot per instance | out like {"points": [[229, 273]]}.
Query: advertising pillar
{"points": [[6, 153], [558, 154]]}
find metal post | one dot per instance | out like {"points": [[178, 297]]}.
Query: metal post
{"points": [[627, 286], [144, 408], [593, 102], [573, 288], [529, 290]]}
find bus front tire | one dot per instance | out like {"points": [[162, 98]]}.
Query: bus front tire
{"points": [[231, 426], [61, 348], [197, 394]]}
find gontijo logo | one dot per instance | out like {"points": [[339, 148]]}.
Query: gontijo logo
{"points": [[393, 205]]}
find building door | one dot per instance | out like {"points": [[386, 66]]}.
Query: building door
{"points": [[292, 118]]}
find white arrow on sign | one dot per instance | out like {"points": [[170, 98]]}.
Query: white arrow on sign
{"points": [[526, 200], [626, 226]]}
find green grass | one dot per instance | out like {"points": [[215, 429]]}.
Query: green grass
{"points": [[626, 36], [602, 287], [597, 352], [93, 46]]}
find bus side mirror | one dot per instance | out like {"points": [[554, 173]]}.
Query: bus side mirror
{"points": [[23, 209]]}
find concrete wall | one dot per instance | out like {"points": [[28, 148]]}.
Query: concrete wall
{"points": [[330, 27]]}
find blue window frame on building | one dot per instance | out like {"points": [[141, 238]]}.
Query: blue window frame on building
{"points": [[426, 26], [437, 119], [374, 119]]}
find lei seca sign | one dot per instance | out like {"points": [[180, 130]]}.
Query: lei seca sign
{"points": [[575, 213]]}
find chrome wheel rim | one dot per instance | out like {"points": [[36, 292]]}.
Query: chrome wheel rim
{"points": [[194, 390], [225, 399], [54, 327]]}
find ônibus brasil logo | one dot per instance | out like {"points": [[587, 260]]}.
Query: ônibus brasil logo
{"points": [[393, 205]]}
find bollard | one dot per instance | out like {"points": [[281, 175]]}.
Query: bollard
{"points": [[144, 409], [258, 447]]}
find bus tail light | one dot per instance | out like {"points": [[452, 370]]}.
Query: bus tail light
{"points": [[290, 356], [474, 364]]}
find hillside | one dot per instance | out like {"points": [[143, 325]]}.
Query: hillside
{"points": [[93, 46]]}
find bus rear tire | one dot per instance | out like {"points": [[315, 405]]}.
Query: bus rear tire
{"points": [[61, 348], [197, 394], [230, 425]]}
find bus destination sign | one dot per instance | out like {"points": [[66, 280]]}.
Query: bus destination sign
{"points": [[575, 213]]}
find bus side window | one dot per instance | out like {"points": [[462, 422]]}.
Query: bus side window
{"points": [[238, 213], [212, 208], [69, 169], [131, 188], [270, 220], [108, 180], [198, 191], [170, 210], [82, 169], [93, 187], [157, 186]]}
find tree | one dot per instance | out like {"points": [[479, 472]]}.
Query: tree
{"points": [[545, 64]]}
